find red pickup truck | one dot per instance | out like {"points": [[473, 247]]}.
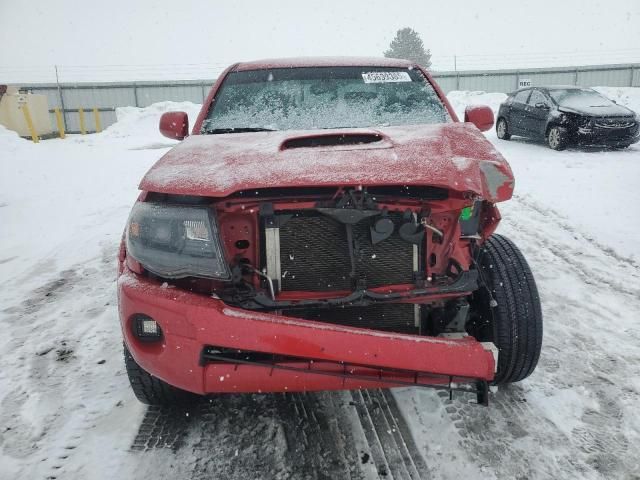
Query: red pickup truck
{"points": [[328, 224]]}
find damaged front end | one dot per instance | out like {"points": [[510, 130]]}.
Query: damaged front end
{"points": [[390, 269]]}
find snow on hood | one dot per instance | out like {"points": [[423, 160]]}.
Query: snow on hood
{"points": [[612, 110], [453, 155]]}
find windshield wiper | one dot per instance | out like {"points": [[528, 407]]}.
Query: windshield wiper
{"points": [[238, 130]]}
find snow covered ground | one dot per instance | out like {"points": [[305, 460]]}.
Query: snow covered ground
{"points": [[66, 410]]}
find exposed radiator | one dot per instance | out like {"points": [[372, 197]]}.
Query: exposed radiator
{"points": [[311, 251]]}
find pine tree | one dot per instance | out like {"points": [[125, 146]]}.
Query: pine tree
{"points": [[408, 45]]}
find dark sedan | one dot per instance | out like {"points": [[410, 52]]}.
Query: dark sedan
{"points": [[564, 116]]}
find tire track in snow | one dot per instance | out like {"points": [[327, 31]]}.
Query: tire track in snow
{"points": [[317, 436], [575, 417], [66, 326], [388, 435], [596, 264], [60, 337]]}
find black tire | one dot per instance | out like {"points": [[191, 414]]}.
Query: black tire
{"points": [[514, 324], [557, 138], [502, 129], [151, 390]]}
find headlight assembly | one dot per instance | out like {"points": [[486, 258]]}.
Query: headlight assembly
{"points": [[175, 241]]}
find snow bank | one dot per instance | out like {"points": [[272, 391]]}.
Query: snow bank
{"points": [[137, 127], [11, 141], [627, 96], [143, 122], [461, 99]]}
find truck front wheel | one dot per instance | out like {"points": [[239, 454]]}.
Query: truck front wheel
{"points": [[506, 310], [151, 390]]}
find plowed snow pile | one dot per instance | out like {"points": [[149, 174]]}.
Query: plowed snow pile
{"points": [[10, 140], [143, 122], [629, 97], [66, 409]]}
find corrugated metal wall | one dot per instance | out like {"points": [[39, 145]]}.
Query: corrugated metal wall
{"points": [[108, 96], [506, 81]]}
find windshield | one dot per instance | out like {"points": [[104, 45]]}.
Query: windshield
{"points": [[323, 97], [579, 98]]}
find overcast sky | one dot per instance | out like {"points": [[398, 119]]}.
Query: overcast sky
{"points": [[36, 34]]}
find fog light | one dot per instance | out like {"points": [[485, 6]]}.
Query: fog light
{"points": [[150, 327], [146, 328]]}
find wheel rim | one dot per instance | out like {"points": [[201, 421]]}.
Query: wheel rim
{"points": [[554, 138], [502, 128]]}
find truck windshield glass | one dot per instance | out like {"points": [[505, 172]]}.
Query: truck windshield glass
{"points": [[323, 97], [579, 98]]}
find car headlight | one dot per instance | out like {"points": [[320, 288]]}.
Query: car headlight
{"points": [[584, 121], [585, 125], [175, 241]]}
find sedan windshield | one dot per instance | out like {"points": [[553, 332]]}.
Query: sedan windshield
{"points": [[579, 98], [323, 97]]}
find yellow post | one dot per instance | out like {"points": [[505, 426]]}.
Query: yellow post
{"points": [[60, 122], [27, 118], [83, 129], [96, 115]]}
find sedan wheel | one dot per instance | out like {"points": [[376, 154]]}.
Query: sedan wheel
{"points": [[501, 130], [557, 138]]}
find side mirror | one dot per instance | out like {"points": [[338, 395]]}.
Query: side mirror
{"points": [[542, 105], [174, 125], [480, 115]]}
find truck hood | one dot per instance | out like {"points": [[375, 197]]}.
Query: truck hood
{"points": [[455, 156]]}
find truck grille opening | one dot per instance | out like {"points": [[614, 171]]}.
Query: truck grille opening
{"points": [[391, 317], [314, 255]]}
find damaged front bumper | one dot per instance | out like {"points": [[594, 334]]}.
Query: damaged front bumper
{"points": [[606, 137], [209, 347]]}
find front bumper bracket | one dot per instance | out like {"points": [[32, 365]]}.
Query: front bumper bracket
{"points": [[304, 365]]}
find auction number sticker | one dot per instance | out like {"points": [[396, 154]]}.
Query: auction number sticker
{"points": [[386, 77]]}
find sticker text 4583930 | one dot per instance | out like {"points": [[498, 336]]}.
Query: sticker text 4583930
{"points": [[386, 77]]}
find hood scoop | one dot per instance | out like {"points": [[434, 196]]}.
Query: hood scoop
{"points": [[332, 140]]}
